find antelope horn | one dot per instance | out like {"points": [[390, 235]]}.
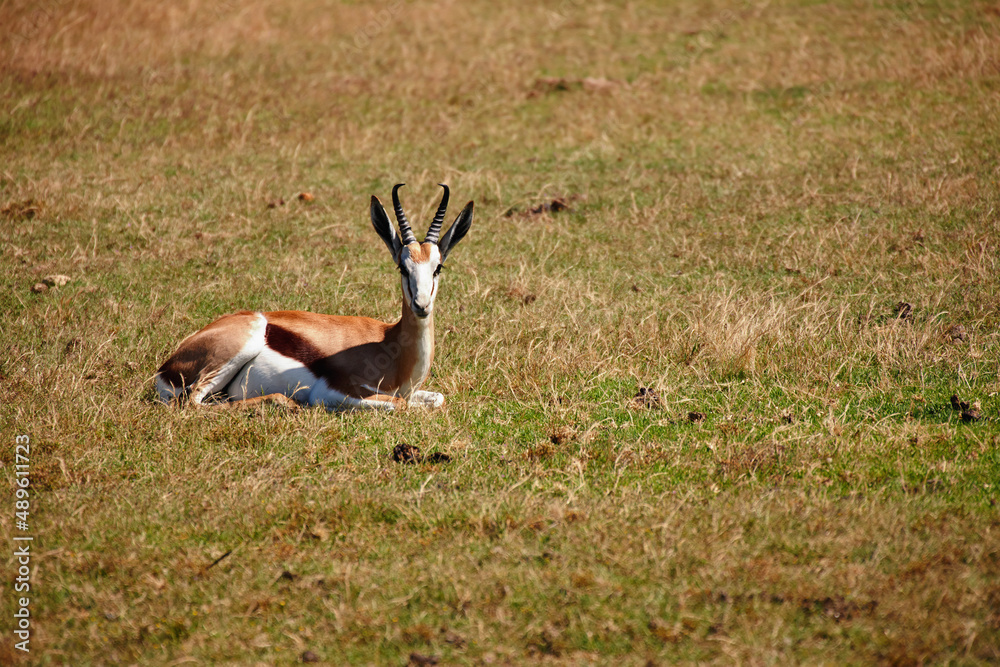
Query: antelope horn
{"points": [[404, 226], [435, 229]]}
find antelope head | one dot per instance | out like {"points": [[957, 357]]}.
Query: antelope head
{"points": [[419, 264]]}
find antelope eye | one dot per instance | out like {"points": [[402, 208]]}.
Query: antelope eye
{"points": [[403, 271], [437, 271]]}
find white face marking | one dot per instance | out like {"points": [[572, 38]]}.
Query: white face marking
{"points": [[420, 280]]}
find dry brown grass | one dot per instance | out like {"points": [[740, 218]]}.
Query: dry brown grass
{"points": [[752, 188]]}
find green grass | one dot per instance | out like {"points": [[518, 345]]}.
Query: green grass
{"points": [[753, 188]]}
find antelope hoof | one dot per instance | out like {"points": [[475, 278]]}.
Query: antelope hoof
{"points": [[427, 399]]}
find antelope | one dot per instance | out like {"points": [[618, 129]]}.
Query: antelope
{"points": [[293, 357]]}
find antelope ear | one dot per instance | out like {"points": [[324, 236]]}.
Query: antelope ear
{"points": [[457, 231], [384, 228]]}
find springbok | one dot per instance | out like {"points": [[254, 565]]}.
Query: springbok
{"points": [[339, 362]]}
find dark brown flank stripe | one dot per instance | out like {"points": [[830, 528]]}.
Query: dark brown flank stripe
{"points": [[290, 344], [293, 346]]}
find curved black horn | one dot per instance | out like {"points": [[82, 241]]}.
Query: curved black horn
{"points": [[435, 229], [404, 226]]}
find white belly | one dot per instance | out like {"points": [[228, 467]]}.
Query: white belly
{"points": [[272, 373]]}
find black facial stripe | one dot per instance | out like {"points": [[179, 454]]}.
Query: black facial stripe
{"points": [[407, 289]]}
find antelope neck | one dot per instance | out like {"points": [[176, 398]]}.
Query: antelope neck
{"points": [[414, 337]]}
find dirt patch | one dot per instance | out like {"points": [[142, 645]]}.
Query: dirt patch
{"points": [[404, 453], [540, 450], [970, 411], [22, 210], [520, 294], [562, 435], [955, 334], [556, 204], [560, 84], [646, 397]]}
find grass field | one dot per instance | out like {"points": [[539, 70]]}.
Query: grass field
{"points": [[782, 217]]}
